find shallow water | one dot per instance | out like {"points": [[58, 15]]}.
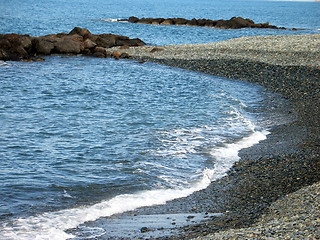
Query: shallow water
{"points": [[82, 138]]}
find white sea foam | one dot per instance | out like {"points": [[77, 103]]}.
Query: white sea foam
{"points": [[181, 142], [3, 63], [238, 119], [52, 225], [227, 155], [110, 19]]}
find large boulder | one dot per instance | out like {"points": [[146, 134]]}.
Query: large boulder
{"points": [[134, 42], [243, 22], [193, 22], [145, 20], [85, 33], [45, 44], [69, 45], [133, 19], [89, 44], [167, 22], [17, 40], [157, 21], [111, 40], [266, 25], [106, 40], [59, 43], [223, 24], [180, 21], [99, 52], [15, 47], [210, 23], [201, 22], [234, 23]]}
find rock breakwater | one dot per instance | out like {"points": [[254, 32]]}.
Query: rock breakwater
{"points": [[14, 47], [233, 23]]}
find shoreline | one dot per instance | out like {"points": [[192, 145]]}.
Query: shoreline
{"points": [[284, 163], [288, 65]]}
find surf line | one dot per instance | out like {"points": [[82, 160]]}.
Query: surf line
{"points": [[52, 225]]}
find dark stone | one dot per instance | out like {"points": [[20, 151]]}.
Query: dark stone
{"points": [[157, 21], [193, 22], [145, 20], [130, 42], [106, 40], [87, 51], [240, 22], [201, 22], [116, 54], [79, 41], [15, 47], [145, 229], [69, 45], [210, 23], [133, 19], [58, 43], [5, 44], [124, 55], [108, 54], [156, 49], [121, 40], [99, 55], [44, 45], [180, 21], [89, 44], [99, 49], [81, 31], [233, 23], [167, 22]]}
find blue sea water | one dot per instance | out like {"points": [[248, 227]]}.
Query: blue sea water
{"points": [[83, 138]]}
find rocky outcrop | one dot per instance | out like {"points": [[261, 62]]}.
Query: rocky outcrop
{"points": [[233, 23], [16, 47]]}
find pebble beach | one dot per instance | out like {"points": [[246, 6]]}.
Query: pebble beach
{"points": [[273, 191], [284, 50]]}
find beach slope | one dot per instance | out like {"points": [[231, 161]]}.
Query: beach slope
{"points": [[275, 182]]}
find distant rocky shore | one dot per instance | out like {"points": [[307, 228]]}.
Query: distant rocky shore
{"points": [[233, 23], [14, 47]]}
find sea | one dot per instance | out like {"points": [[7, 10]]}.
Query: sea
{"points": [[84, 138]]}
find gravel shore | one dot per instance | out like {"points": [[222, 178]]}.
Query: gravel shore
{"points": [[295, 216], [273, 191], [288, 50]]}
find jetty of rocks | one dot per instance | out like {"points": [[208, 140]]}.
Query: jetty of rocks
{"points": [[233, 23], [14, 47]]}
